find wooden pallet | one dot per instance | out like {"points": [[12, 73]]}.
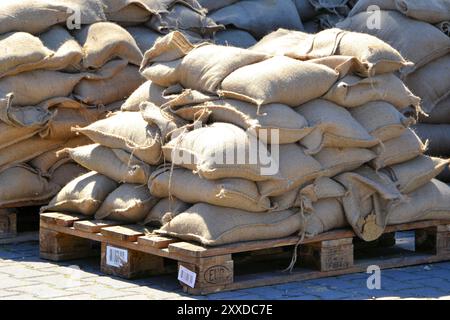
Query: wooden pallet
{"points": [[19, 224], [239, 265]]}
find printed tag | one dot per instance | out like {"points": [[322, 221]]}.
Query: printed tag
{"points": [[116, 257], [187, 276]]}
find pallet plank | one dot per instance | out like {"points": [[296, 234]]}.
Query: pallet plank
{"points": [[125, 233], [156, 241], [61, 219], [94, 226]]}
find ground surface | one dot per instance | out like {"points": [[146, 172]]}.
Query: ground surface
{"points": [[24, 276]]}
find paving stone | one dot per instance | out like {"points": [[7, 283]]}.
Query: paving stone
{"points": [[43, 291], [10, 282], [112, 283], [19, 271], [98, 291]]}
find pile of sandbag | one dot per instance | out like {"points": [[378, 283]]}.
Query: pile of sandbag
{"points": [[423, 39], [298, 134]]}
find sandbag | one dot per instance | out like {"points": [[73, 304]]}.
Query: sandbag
{"points": [[381, 120], [232, 192], [352, 91], [363, 5], [444, 176], [114, 163], [167, 123], [295, 167], [321, 188], [65, 173], [148, 91], [35, 16], [145, 38], [26, 150], [417, 41], [398, 150], [181, 17], [431, 11], [333, 126], [413, 174], [18, 124], [305, 9], [327, 214], [128, 203], [34, 87], [213, 226], [104, 41], [141, 139], [289, 125], [212, 5], [279, 80], [430, 202], [129, 15], [49, 161], [22, 185], [338, 160], [439, 115], [105, 91], [437, 137], [235, 38], [259, 17], [285, 201], [222, 150], [431, 82], [165, 208], [83, 195], [368, 199]]}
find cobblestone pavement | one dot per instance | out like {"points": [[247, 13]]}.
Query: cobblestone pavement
{"points": [[24, 276]]}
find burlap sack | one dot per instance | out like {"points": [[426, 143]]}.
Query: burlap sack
{"points": [[52, 159], [431, 82], [83, 195], [148, 91], [167, 123], [235, 38], [65, 173], [338, 160], [431, 11], [213, 226], [140, 139], [286, 201], [21, 184], [398, 150], [128, 203], [129, 15], [430, 202], [327, 214], [375, 56], [165, 208], [305, 10], [21, 52], [413, 174], [352, 91], [233, 193], [279, 80], [259, 17], [35, 16], [322, 188], [333, 127], [145, 38], [289, 125], [437, 136], [26, 150], [295, 167], [444, 176], [34, 87], [113, 163], [381, 120], [368, 200], [212, 5], [106, 91], [104, 41], [439, 115], [181, 17], [64, 119], [222, 150], [18, 124], [417, 41]]}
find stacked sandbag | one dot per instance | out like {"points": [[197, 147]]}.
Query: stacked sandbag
{"points": [[248, 144], [424, 40], [62, 66]]}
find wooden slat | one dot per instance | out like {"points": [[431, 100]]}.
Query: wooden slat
{"points": [[61, 219], [156, 241], [124, 233], [94, 226]]}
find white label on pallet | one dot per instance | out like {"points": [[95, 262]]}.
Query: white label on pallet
{"points": [[187, 276], [116, 257]]}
